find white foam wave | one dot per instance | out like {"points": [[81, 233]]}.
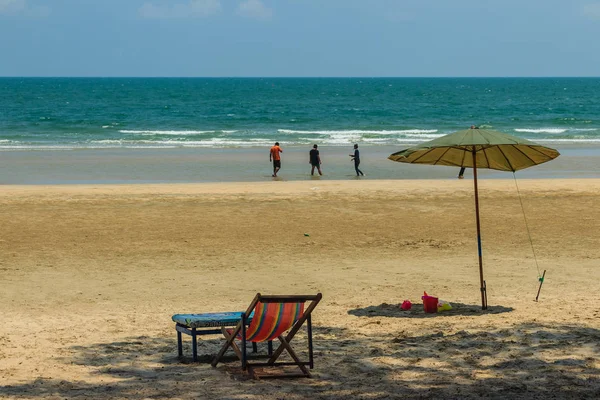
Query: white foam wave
{"points": [[570, 140], [39, 147], [407, 140], [359, 132], [542, 130], [230, 143], [375, 140], [109, 141], [182, 133], [340, 141], [213, 142], [424, 136]]}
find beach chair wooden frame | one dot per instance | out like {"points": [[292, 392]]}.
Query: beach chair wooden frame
{"points": [[241, 330]]}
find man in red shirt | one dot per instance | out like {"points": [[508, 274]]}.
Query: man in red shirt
{"points": [[276, 158]]}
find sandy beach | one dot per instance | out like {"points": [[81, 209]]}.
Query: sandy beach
{"points": [[91, 274]]}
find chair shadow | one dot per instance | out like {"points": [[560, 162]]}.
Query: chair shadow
{"points": [[417, 311]]}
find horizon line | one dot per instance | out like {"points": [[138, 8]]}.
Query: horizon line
{"points": [[297, 77]]}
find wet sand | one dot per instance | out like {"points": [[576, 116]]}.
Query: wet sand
{"points": [[91, 274], [200, 165]]}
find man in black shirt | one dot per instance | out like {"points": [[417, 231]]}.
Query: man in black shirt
{"points": [[315, 160], [356, 159]]}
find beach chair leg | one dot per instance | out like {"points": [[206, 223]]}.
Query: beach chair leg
{"points": [[179, 345], [286, 346], [295, 328], [254, 347], [233, 345], [281, 347], [270, 347], [194, 345], [292, 353], [244, 361], [229, 340]]}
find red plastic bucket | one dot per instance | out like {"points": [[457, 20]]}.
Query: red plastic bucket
{"points": [[430, 304]]}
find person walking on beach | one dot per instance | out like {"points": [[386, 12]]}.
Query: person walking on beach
{"points": [[356, 159], [276, 158], [315, 160]]}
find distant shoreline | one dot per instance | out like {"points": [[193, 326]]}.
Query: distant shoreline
{"points": [[246, 165], [297, 77]]}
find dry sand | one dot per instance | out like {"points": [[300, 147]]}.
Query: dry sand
{"points": [[90, 276]]}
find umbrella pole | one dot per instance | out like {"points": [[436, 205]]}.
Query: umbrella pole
{"points": [[481, 281]]}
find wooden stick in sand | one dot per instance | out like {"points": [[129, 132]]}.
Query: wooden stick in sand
{"points": [[541, 283]]}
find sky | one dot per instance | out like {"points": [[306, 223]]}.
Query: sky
{"points": [[300, 38]]}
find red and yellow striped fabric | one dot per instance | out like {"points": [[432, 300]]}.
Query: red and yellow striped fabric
{"points": [[273, 319]]}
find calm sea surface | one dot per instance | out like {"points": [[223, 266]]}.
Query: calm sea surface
{"points": [[66, 124]]}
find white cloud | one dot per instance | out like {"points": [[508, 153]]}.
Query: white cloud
{"points": [[254, 9], [191, 9], [20, 7], [11, 6], [592, 10]]}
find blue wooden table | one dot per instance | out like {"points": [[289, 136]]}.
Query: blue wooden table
{"points": [[203, 324]]}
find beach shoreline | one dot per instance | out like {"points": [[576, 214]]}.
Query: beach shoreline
{"points": [[91, 275], [197, 165]]}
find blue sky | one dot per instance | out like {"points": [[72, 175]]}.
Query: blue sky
{"points": [[299, 38]]}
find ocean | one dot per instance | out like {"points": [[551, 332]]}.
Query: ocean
{"points": [[133, 121]]}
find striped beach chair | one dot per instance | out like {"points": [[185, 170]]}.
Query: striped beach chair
{"points": [[273, 316]]}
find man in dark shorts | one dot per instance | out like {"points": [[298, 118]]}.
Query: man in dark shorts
{"points": [[315, 160], [356, 159], [276, 158]]}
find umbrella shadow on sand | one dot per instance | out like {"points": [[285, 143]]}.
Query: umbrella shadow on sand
{"points": [[417, 311]]}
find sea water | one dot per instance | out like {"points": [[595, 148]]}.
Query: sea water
{"points": [[73, 130]]}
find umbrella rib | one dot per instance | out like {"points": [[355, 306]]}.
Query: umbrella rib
{"points": [[534, 148], [531, 159], [447, 150], [526, 156], [487, 160], [507, 160], [415, 161], [424, 154]]}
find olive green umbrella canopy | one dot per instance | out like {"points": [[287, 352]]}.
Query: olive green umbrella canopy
{"points": [[478, 148], [494, 150]]}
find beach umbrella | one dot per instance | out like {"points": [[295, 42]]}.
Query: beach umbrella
{"points": [[478, 148]]}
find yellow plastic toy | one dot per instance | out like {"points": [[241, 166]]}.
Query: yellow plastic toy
{"points": [[444, 306]]}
